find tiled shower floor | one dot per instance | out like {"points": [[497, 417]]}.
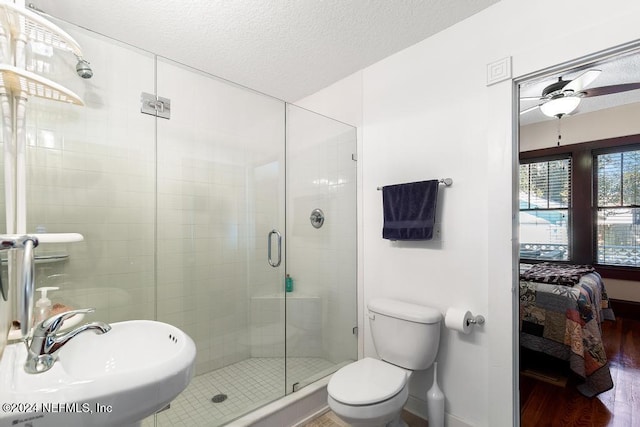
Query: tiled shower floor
{"points": [[248, 384]]}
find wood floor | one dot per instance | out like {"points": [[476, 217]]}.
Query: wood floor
{"points": [[544, 404]]}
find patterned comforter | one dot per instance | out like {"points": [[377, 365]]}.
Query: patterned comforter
{"points": [[564, 322]]}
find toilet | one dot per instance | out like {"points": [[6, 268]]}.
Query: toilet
{"points": [[372, 392]]}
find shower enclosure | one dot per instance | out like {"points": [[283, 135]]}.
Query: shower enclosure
{"points": [[199, 220]]}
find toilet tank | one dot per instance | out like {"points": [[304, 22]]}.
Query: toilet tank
{"points": [[405, 334]]}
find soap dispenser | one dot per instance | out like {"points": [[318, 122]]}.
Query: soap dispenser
{"points": [[43, 305]]}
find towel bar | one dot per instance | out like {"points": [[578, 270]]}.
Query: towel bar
{"points": [[446, 181]]}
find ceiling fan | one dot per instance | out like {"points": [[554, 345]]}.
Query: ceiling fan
{"points": [[563, 97]]}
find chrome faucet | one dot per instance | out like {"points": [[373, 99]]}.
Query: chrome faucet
{"points": [[46, 342]]}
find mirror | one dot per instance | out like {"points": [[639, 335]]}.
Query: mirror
{"points": [[579, 135]]}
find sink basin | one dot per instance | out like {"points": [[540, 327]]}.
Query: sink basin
{"points": [[114, 379]]}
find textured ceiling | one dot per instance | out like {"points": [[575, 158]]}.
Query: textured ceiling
{"points": [[284, 48]]}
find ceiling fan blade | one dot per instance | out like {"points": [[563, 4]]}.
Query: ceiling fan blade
{"points": [[608, 90], [526, 110], [582, 81]]}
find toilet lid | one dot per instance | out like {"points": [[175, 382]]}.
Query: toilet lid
{"points": [[366, 381]]}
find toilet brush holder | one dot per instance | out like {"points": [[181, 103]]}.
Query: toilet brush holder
{"points": [[435, 402]]}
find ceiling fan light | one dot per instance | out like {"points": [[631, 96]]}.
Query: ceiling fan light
{"points": [[560, 106]]}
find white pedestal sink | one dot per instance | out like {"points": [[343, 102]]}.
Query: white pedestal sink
{"points": [[114, 379]]}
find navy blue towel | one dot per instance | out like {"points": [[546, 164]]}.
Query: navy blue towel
{"points": [[409, 210]]}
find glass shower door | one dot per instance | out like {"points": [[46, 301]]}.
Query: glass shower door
{"points": [[321, 246], [220, 198]]}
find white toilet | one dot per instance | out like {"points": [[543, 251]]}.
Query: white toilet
{"points": [[372, 392]]}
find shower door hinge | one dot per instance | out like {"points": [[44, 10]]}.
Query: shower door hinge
{"points": [[354, 331], [295, 387], [155, 105], [354, 157]]}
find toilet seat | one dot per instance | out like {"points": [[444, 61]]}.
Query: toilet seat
{"points": [[366, 382]]}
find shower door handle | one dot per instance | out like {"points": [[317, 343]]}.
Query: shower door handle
{"points": [[277, 263]]}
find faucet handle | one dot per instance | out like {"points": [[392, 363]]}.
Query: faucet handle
{"points": [[53, 323]]}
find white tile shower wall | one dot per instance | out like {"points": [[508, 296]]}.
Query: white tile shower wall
{"points": [[303, 325], [266, 283], [268, 213], [211, 158], [91, 171], [267, 330]]}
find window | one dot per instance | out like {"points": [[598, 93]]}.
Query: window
{"points": [[545, 196], [618, 208], [591, 218]]}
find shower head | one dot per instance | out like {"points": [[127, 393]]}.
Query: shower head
{"points": [[84, 69]]}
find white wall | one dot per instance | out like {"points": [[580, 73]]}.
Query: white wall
{"points": [[609, 123], [428, 113]]}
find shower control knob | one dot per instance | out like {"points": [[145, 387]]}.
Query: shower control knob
{"points": [[317, 218]]}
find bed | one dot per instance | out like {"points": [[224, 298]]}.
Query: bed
{"points": [[561, 308]]}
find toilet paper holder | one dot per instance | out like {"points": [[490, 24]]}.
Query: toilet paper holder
{"points": [[476, 320], [462, 320]]}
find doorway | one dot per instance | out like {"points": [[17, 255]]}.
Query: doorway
{"points": [[604, 107]]}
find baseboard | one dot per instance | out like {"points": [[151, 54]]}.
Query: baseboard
{"points": [[312, 416], [418, 407], [451, 421], [310, 402], [626, 309]]}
